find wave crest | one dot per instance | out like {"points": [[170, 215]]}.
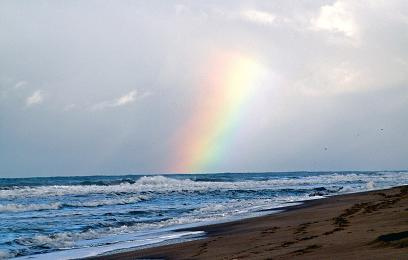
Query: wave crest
{"points": [[31, 207], [12, 207], [162, 184]]}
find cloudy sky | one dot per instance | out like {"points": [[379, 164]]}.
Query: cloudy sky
{"points": [[111, 87]]}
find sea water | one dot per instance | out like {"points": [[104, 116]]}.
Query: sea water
{"points": [[72, 217]]}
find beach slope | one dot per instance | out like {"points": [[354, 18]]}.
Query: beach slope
{"points": [[368, 225]]}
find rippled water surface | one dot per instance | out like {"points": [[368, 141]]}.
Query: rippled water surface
{"points": [[68, 217]]}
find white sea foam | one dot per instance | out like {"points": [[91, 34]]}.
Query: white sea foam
{"points": [[60, 240], [5, 254], [108, 202], [130, 241], [370, 185], [99, 237], [161, 184], [93, 237], [12, 207], [215, 212], [208, 213], [31, 207]]}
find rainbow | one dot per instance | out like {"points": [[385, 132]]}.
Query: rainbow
{"points": [[230, 82]]}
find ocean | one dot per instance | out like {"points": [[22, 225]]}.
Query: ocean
{"points": [[72, 217]]}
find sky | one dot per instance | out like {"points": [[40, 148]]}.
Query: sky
{"points": [[128, 87]]}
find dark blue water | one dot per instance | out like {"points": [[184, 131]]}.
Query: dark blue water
{"points": [[65, 217]]}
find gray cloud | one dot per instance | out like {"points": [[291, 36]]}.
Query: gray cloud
{"points": [[336, 74]]}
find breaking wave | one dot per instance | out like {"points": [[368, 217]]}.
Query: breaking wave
{"points": [[12, 207], [32, 207], [162, 184], [47, 215]]}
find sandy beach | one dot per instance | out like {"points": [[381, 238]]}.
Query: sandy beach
{"points": [[367, 225]]}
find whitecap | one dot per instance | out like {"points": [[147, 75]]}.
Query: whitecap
{"points": [[162, 184], [28, 207]]}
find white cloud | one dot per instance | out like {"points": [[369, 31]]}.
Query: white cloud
{"points": [[336, 18], [121, 101], [258, 16], [20, 84], [36, 98]]}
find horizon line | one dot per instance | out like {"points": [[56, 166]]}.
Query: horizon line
{"points": [[203, 173]]}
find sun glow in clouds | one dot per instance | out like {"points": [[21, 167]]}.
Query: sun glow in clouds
{"points": [[231, 81]]}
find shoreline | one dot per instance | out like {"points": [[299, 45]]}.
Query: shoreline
{"points": [[363, 225]]}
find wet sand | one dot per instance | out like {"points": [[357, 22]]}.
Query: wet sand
{"points": [[368, 225]]}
